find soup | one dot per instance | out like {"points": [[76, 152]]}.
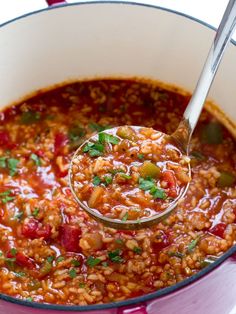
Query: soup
{"points": [[51, 250]]}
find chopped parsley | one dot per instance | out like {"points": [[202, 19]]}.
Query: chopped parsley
{"points": [[104, 264], [157, 193], [5, 197], [98, 127], [82, 285], [18, 216], [94, 149], [115, 257], [13, 251], [60, 259], [20, 274], [137, 250], [96, 180], [35, 212], [50, 259], [29, 299], [3, 163], [36, 159], [148, 184], [10, 261], [30, 117], [108, 179], [108, 138], [125, 176], [72, 273], [75, 262], [125, 217], [140, 156], [193, 244], [75, 133], [12, 166], [93, 261], [175, 254], [119, 241], [115, 171]]}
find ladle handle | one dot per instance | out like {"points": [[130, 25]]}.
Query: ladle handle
{"points": [[194, 108]]}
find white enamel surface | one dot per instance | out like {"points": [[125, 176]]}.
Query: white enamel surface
{"points": [[106, 40]]}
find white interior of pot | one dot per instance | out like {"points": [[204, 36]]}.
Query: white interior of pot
{"points": [[108, 39]]}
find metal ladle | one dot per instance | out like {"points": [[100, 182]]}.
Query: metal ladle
{"points": [[183, 133]]}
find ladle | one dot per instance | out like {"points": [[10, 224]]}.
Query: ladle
{"points": [[182, 135]]}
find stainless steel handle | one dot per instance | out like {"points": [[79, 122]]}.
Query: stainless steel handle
{"points": [[194, 108]]}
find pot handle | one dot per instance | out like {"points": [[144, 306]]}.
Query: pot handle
{"points": [[55, 2], [138, 309]]}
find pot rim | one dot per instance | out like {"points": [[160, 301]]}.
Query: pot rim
{"points": [[161, 292]]}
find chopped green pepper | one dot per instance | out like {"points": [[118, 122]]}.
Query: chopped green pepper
{"points": [[226, 179], [212, 133], [126, 132], [149, 169]]}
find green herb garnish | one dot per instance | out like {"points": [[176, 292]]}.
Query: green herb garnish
{"points": [[5, 197], [75, 133], [98, 127], [72, 273], [107, 179], [148, 184], [36, 159], [108, 138], [119, 241], [125, 176], [96, 180], [18, 216], [140, 156], [12, 165], [75, 262], [104, 264], [157, 193], [176, 254], [30, 117], [193, 244], [20, 274], [50, 259], [29, 299], [115, 257], [94, 149], [125, 217], [60, 259], [13, 251], [3, 163], [93, 261], [35, 212], [137, 250], [212, 133], [82, 285]]}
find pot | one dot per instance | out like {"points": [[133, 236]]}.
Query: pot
{"points": [[120, 39]]}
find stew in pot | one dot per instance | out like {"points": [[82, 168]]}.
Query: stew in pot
{"points": [[51, 251]]}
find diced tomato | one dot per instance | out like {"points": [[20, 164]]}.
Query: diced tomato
{"points": [[169, 178], [34, 229], [60, 141], [70, 236], [4, 138], [22, 260], [39, 153], [218, 230], [160, 241]]}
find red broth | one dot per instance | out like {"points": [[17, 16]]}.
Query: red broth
{"points": [[51, 251]]}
